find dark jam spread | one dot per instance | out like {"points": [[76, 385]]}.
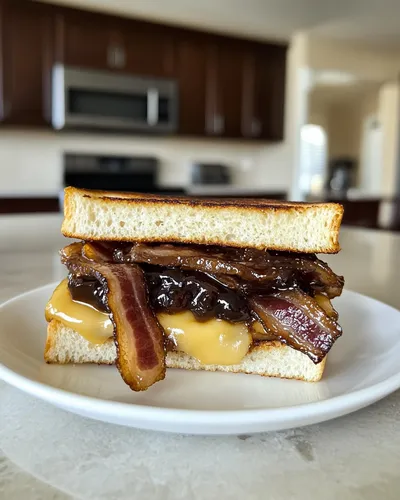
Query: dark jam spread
{"points": [[173, 290], [88, 290], [210, 282]]}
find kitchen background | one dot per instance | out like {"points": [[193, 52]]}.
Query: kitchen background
{"points": [[295, 99]]}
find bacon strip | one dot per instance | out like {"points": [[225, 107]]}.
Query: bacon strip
{"points": [[137, 334], [298, 321]]}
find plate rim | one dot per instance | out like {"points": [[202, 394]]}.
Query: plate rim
{"points": [[335, 405]]}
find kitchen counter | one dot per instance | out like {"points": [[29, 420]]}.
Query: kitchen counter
{"points": [[47, 453], [13, 204], [232, 190]]}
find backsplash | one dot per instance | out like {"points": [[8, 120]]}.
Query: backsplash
{"points": [[31, 163]]}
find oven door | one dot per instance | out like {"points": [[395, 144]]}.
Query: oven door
{"points": [[97, 99]]}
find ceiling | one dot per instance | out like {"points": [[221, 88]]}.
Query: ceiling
{"points": [[344, 94], [375, 22], [375, 25]]}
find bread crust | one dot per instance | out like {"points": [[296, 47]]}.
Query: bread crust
{"points": [[211, 219]]}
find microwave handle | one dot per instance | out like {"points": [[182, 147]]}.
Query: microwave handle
{"points": [[152, 106]]}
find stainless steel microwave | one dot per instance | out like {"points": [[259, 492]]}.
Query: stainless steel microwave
{"points": [[84, 98]]}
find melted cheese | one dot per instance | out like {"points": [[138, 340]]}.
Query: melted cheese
{"points": [[94, 325], [211, 342]]}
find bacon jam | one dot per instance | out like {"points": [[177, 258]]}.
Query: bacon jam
{"points": [[288, 294]]}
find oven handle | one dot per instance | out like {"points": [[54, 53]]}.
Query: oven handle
{"points": [[152, 107]]}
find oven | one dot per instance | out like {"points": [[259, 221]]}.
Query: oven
{"points": [[139, 174]]}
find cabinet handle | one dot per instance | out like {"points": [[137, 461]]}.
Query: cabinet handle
{"points": [[255, 127], [111, 56], [119, 58], [218, 124]]}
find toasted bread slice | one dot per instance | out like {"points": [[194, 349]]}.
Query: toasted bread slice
{"points": [[251, 223], [270, 359]]}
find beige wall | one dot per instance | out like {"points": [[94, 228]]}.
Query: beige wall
{"points": [[342, 114], [370, 103], [344, 130], [389, 102], [364, 63], [371, 65], [31, 162], [342, 123], [318, 113]]}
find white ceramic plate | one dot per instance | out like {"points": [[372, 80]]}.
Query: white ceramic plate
{"points": [[363, 367]]}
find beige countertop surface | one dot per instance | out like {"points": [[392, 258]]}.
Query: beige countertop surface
{"points": [[47, 453]]}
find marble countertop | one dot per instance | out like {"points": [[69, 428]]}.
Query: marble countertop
{"points": [[47, 453]]}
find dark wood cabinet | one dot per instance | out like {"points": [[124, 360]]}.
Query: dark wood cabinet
{"points": [[102, 42], [245, 90], [191, 73], [264, 93], [270, 71], [26, 57], [148, 52], [211, 86], [225, 90], [228, 87], [83, 39]]}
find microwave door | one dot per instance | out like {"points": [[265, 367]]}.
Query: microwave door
{"points": [[105, 109]]}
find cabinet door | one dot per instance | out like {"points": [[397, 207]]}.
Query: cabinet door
{"points": [[148, 52], [191, 71], [84, 40], [269, 94], [226, 77], [26, 31]]}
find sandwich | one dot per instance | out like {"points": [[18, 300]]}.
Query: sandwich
{"points": [[158, 282]]}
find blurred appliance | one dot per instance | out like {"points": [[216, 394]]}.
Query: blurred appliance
{"points": [[114, 173], [111, 173], [211, 174], [85, 98]]}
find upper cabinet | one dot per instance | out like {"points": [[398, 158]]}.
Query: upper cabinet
{"points": [[84, 39], [267, 121], [228, 87], [191, 73], [97, 41], [148, 50], [264, 92], [26, 58], [225, 90]]}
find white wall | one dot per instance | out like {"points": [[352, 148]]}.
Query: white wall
{"points": [[388, 113], [31, 163]]}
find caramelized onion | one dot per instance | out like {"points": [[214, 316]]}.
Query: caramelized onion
{"points": [[96, 252], [258, 270], [326, 304]]}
